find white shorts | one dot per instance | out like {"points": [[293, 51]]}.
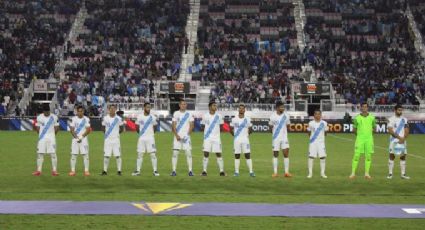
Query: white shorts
{"points": [[80, 148], [317, 150], [393, 150], [182, 144], [146, 146], [112, 148], [46, 146], [212, 146], [279, 144], [240, 147]]}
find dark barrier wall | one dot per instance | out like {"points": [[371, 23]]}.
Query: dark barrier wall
{"points": [[335, 126]]}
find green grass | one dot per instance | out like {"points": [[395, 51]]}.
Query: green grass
{"points": [[17, 161]]}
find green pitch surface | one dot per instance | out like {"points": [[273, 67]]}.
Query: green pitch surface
{"points": [[17, 161]]}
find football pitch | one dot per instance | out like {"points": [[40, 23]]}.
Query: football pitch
{"points": [[17, 161]]}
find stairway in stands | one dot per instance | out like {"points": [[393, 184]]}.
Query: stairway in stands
{"points": [[192, 35]]}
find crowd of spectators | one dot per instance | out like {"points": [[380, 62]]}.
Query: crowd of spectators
{"points": [[366, 49], [31, 31], [129, 44]]}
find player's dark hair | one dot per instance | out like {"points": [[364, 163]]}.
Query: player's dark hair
{"points": [[111, 105], [80, 107], [364, 103], [242, 105], [278, 104], [146, 104], [398, 106], [317, 110], [181, 100], [46, 107], [211, 103]]}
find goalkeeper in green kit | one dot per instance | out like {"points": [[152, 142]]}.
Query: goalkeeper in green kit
{"points": [[364, 126]]}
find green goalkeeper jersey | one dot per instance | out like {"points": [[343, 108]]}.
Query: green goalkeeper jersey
{"points": [[364, 126]]}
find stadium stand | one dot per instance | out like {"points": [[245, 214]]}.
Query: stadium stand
{"points": [[31, 33]]}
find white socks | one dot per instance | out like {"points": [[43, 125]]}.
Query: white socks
{"points": [[391, 166], [403, 167], [249, 164], [174, 159], [205, 164], [119, 164], [105, 163], [275, 163], [220, 164], [322, 167], [40, 159], [54, 161], [73, 162], [286, 163], [237, 164], [154, 162], [139, 162], [189, 160], [86, 162], [310, 166]]}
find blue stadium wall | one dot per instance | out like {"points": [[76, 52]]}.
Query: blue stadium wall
{"points": [[335, 126]]}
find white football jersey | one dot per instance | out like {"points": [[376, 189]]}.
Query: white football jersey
{"points": [[146, 124], [275, 120], [47, 126], [236, 123], [112, 126], [80, 125], [182, 128], [313, 126], [398, 124], [212, 133]]}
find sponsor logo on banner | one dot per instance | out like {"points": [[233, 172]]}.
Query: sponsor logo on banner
{"points": [[158, 208]]}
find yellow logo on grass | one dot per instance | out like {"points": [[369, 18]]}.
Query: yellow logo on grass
{"points": [[156, 208]]}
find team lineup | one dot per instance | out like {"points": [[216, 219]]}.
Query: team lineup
{"points": [[47, 126]]}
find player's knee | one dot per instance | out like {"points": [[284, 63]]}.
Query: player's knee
{"points": [[322, 158], [153, 155], [218, 154], [275, 154], [392, 157], [117, 157], [237, 156], [188, 153], [247, 156], [206, 154], [403, 157]]}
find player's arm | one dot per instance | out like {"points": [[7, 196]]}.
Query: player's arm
{"points": [[191, 127], [232, 130], [355, 126], [121, 128], [155, 128], [250, 130], [374, 126], [174, 130], [56, 126], [87, 132], [137, 127], [406, 131], [37, 127], [73, 132]]}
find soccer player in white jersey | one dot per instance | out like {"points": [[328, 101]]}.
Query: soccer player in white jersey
{"points": [[399, 131], [80, 128], [241, 128], [317, 130], [146, 126], [279, 122], [112, 126], [211, 124], [182, 127], [47, 127]]}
